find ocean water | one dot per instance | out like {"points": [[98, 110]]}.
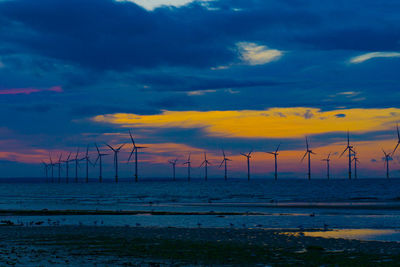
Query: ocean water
{"points": [[317, 204]]}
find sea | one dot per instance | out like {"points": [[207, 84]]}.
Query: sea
{"points": [[369, 205]]}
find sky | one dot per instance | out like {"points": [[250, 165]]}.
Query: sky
{"points": [[194, 76]]}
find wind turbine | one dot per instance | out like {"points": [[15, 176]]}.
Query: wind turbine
{"points": [[46, 166], [348, 148], [225, 165], [328, 159], [205, 163], [52, 168], [87, 163], [76, 160], [135, 150], [188, 163], [173, 163], [308, 153], [355, 159], [276, 160], [398, 139], [116, 151], [248, 163], [59, 168], [99, 157], [67, 167], [388, 157]]}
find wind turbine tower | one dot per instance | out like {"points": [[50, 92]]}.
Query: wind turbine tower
{"points": [[116, 151], [388, 157], [135, 149], [308, 153], [224, 161], [248, 156], [188, 163], [205, 163], [173, 163], [275, 153], [328, 160], [67, 168], [348, 148], [99, 158]]}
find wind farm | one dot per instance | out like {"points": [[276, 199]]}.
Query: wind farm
{"points": [[199, 133], [205, 163]]}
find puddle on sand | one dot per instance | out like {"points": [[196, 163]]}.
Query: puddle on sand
{"points": [[358, 234]]}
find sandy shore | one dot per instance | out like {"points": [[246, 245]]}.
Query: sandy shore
{"points": [[132, 246]]}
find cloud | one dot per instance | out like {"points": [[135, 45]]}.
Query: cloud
{"points": [[270, 123], [254, 54], [200, 92], [368, 56], [28, 91], [153, 4]]}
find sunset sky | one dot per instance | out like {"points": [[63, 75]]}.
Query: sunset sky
{"points": [[193, 76]]}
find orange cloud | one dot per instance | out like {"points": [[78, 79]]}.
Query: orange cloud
{"points": [[270, 123]]}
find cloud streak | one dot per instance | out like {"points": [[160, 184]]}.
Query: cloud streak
{"points": [[29, 90], [368, 56]]}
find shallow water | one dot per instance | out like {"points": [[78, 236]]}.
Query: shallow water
{"points": [[339, 204]]}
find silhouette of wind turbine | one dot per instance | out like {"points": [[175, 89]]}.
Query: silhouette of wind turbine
{"points": [[328, 159], [356, 161], [275, 153], [116, 151], [348, 148], [224, 161], [76, 160], [205, 163], [99, 158], [135, 149], [398, 139], [59, 168], [388, 157], [248, 156], [308, 153], [52, 168], [67, 167], [188, 163], [173, 163], [46, 166], [86, 158]]}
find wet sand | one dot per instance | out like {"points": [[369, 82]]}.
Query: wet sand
{"points": [[145, 246]]}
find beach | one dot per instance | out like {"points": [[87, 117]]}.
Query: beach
{"points": [[158, 246]]}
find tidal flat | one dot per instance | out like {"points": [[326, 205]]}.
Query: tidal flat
{"points": [[156, 246]]}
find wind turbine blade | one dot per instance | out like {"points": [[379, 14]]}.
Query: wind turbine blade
{"points": [[120, 147], [243, 154], [223, 153], [98, 151], [305, 154], [307, 142], [348, 138], [222, 162], [87, 150], [272, 153], [189, 157], [130, 134], [250, 152], [130, 155], [201, 165], [329, 155], [111, 147], [276, 151], [398, 143], [343, 152]]}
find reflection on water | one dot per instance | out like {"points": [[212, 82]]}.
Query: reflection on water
{"points": [[358, 234]]}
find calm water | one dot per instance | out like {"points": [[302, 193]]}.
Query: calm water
{"points": [[342, 204]]}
